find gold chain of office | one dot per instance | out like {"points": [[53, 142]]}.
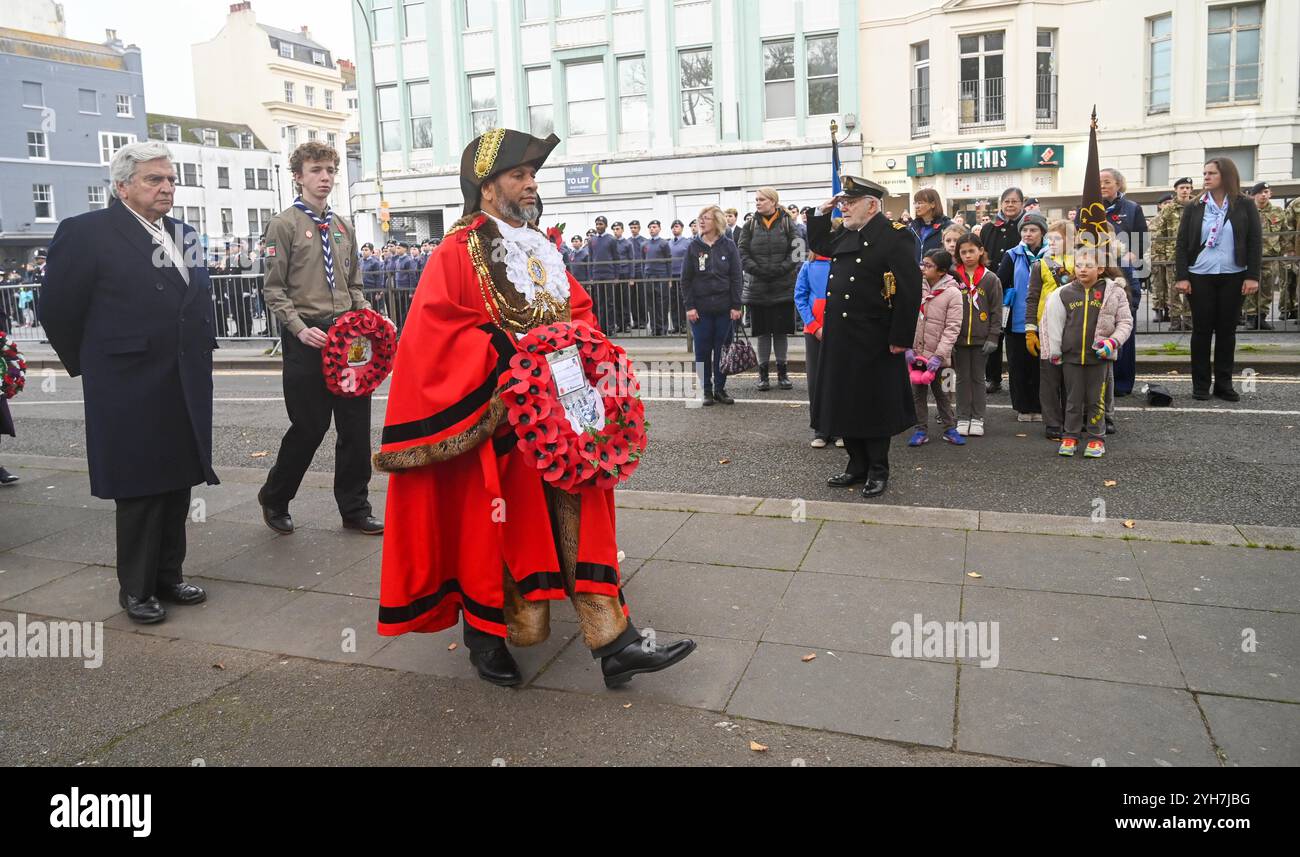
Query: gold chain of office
{"points": [[545, 308]]}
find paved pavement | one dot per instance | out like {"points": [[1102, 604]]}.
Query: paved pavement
{"points": [[1163, 644]]}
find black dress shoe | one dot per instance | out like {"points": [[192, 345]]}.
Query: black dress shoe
{"points": [[497, 666], [633, 659], [1110, 426], [844, 480], [276, 519], [1227, 394], [874, 487], [143, 612], [722, 397], [370, 525], [993, 387], [708, 400], [7, 478], [182, 593], [1200, 396]]}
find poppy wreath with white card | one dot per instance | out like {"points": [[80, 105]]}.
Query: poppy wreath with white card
{"points": [[358, 355], [566, 378], [14, 366]]}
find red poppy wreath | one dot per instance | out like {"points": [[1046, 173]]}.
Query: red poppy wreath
{"points": [[13, 365], [358, 355], [569, 459]]}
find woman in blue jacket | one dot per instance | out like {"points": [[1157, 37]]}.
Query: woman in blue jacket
{"points": [[929, 221], [1013, 273], [711, 284], [810, 300]]}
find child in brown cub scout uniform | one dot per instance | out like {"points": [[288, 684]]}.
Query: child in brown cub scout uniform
{"points": [[313, 276], [981, 329]]}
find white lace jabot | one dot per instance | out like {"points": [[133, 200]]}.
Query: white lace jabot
{"points": [[520, 242]]}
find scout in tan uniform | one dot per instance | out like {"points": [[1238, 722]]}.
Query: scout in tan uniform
{"points": [[312, 277]]}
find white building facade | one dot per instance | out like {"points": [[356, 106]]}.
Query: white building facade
{"points": [[282, 83], [1000, 91], [227, 178], [662, 106]]}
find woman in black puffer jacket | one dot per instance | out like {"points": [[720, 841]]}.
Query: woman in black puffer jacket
{"points": [[772, 252]]}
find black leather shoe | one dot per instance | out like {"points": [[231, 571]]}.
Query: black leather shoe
{"points": [[1227, 394], [276, 519], [182, 593], [7, 478], [142, 612], [369, 525], [633, 659], [844, 480], [1200, 397], [993, 387], [497, 666], [708, 400], [1110, 426], [1052, 432], [874, 487], [723, 398]]}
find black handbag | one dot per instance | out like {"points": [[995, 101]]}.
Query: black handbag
{"points": [[739, 355]]}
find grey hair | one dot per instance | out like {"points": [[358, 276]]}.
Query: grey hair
{"points": [[132, 155], [1118, 177]]}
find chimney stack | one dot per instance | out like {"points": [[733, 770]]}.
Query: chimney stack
{"points": [[246, 6]]}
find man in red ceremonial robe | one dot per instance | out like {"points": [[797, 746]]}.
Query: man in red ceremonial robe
{"points": [[472, 528]]}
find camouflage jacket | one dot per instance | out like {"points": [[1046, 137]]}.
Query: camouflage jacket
{"points": [[1164, 233], [1293, 224], [1272, 222]]}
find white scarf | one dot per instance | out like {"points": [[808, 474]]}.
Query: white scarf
{"points": [[159, 235], [521, 242]]}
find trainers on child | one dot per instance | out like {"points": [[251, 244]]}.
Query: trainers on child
{"points": [[1024, 418], [963, 427], [1035, 418], [819, 443], [839, 442], [977, 428], [952, 437], [919, 437], [1096, 448], [1068, 445]]}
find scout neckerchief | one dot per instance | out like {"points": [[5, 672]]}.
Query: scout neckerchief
{"points": [[935, 290], [323, 224], [971, 283], [1218, 213]]}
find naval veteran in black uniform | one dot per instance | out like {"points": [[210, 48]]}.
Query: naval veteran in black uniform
{"points": [[873, 295]]}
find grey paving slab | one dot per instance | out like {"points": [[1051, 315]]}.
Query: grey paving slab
{"points": [[898, 553], [360, 579], [721, 601], [741, 540], [704, 680], [64, 712], [1074, 721], [686, 502], [847, 693], [313, 508], [19, 574], [305, 558], [1252, 733], [211, 543], [1055, 564], [1112, 528], [1209, 643], [66, 489], [856, 614], [91, 542], [218, 498], [641, 532], [1225, 577], [231, 613], [21, 524], [1276, 536], [431, 654], [870, 513], [320, 625], [1088, 636], [89, 595]]}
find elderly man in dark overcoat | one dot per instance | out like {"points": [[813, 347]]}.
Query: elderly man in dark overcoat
{"points": [[128, 307]]}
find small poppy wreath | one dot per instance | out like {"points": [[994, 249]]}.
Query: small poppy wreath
{"points": [[569, 460], [14, 366], [358, 355]]}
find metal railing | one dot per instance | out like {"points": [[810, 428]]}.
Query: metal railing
{"points": [[921, 112], [1045, 101], [981, 105]]}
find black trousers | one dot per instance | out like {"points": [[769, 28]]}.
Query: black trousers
{"points": [[1023, 371], [1216, 301], [993, 365], [151, 541], [869, 455], [311, 406]]}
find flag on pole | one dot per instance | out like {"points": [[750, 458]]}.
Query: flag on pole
{"points": [[836, 189]]}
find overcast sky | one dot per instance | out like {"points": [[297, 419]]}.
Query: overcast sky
{"points": [[165, 33]]}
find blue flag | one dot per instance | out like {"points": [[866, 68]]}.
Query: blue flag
{"points": [[835, 175]]}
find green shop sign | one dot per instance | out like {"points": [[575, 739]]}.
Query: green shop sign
{"points": [[986, 159]]}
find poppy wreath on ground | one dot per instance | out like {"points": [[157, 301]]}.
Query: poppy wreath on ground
{"points": [[358, 355], [15, 366], [569, 460]]}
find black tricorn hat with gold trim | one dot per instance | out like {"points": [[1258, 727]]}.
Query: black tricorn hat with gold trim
{"points": [[495, 151]]}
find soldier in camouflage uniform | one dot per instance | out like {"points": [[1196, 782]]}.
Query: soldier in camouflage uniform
{"points": [[1289, 301], [1164, 236], [1158, 283], [1272, 222]]}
